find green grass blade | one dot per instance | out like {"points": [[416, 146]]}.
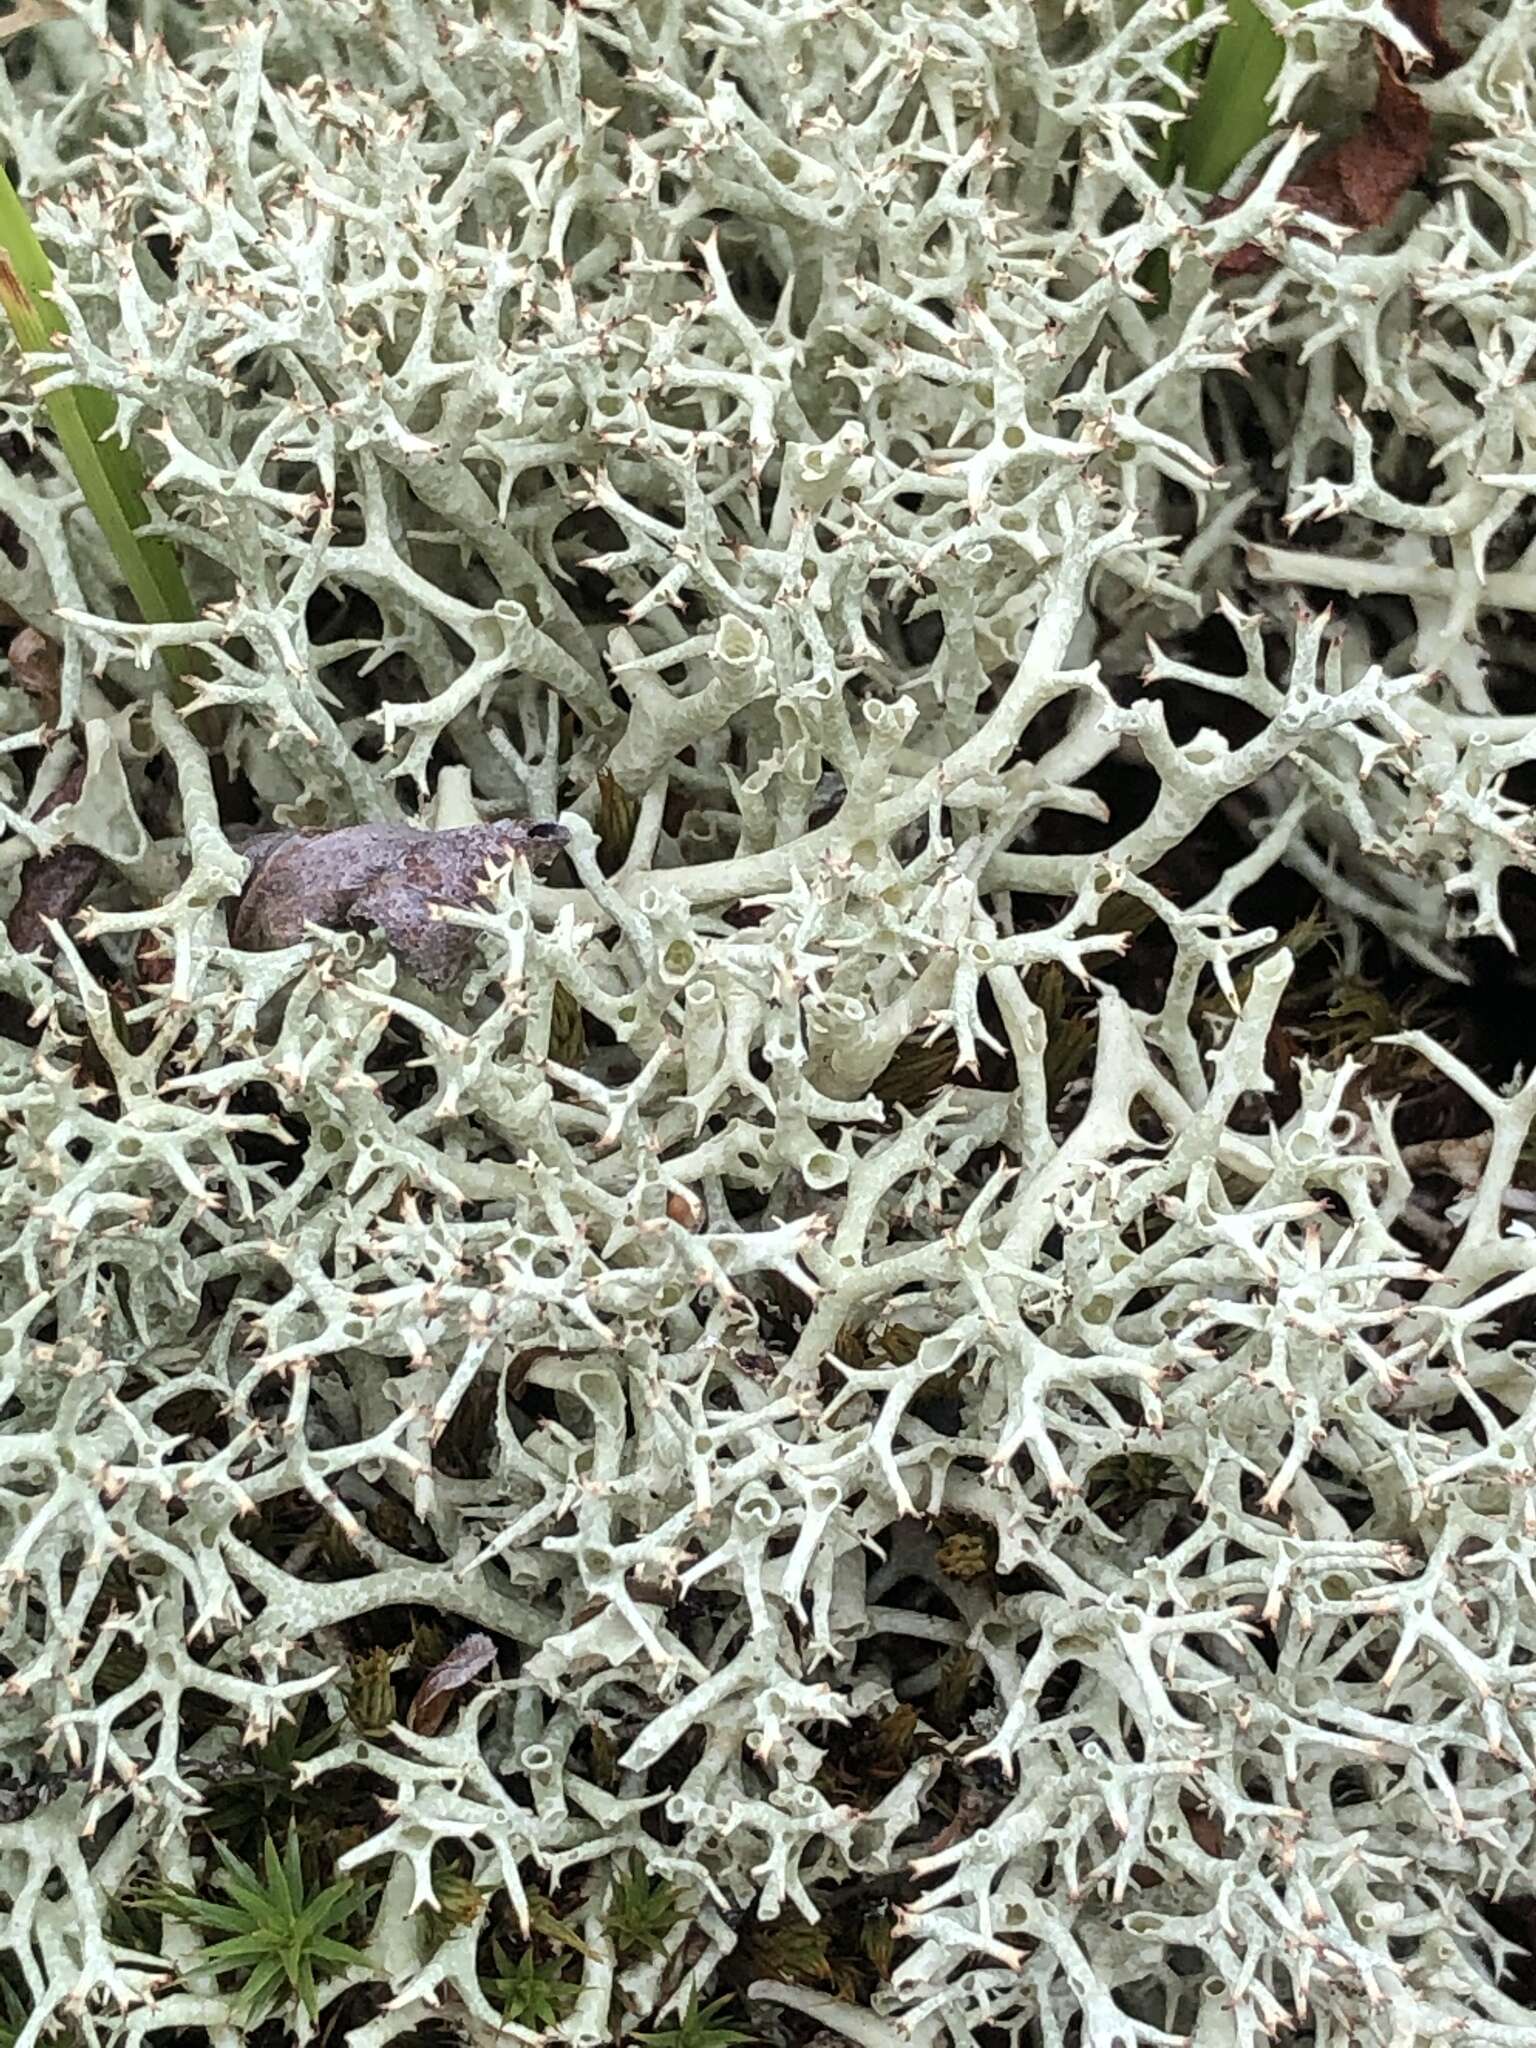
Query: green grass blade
{"points": [[236, 1866], [28, 261], [324, 1950], [284, 1884], [110, 476], [337, 1903], [1182, 64], [263, 1986], [204, 1913], [240, 1948], [1232, 113], [125, 473]]}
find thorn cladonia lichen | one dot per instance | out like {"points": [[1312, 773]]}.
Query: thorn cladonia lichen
{"points": [[887, 1395]]}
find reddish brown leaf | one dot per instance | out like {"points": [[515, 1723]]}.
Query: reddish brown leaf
{"points": [[1359, 181], [381, 877], [434, 1696], [153, 967], [35, 663], [53, 885], [1205, 1828], [1422, 19], [66, 791]]}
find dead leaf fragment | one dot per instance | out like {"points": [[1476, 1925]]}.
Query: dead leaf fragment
{"points": [[1205, 1828], [1359, 181], [153, 966], [435, 1694], [54, 886], [1422, 20], [35, 667]]}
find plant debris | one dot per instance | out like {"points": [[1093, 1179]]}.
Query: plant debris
{"points": [[389, 878], [54, 886], [437, 1691], [1356, 183]]}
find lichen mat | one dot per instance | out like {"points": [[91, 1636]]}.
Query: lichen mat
{"points": [[880, 1390]]}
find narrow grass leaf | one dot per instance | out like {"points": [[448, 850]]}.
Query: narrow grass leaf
{"points": [[110, 477], [1232, 114], [342, 1952], [1182, 64]]}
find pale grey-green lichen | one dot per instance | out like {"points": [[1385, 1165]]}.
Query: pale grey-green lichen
{"points": [[739, 431]]}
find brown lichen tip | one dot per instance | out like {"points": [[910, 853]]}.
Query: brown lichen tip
{"points": [[385, 878]]}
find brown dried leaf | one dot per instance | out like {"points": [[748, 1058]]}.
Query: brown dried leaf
{"points": [[1205, 1828], [435, 1694], [153, 966], [67, 790], [1357, 182], [900, 1343], [389, 878], [53, 885], [35, 661], [1360, 182], [1422, 19]]}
